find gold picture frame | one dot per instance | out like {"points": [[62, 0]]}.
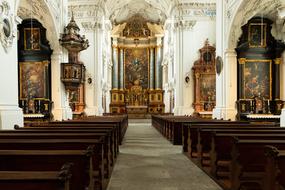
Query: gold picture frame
{"points": [[33, 80], [257, 79]]}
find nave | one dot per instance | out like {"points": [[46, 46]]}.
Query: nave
{"points": [[148, 161]]}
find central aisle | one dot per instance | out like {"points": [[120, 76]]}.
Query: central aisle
{"points": [[147, 161]]}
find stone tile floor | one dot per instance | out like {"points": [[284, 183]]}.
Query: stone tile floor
{"points": [[147, 161]]}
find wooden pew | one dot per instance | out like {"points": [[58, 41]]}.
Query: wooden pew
{"points": [[205, 136], [274, 169], [120, 121], [191, 132], [35, 180], [172, 127], [112, 128], [40, 134], [247, 162], [63, 144], [46, 161]]}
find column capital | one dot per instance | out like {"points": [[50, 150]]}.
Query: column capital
{"points": [[230, 52], [278, 61], [56, 55]]}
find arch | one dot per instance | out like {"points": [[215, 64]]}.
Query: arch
{"points": [[244, 11], [46, 17]]}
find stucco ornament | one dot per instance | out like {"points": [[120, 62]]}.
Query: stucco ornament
{"points": [[6, 26]]}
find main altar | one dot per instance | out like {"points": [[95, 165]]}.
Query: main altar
{"points": [[137, 71]]}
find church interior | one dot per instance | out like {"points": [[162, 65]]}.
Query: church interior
{"points": [[142, 94]]}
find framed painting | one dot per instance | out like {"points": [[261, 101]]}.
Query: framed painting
{"points": [[208, 88], [32, 38], [136, 67], [257, 35], [33, 80], [257, 79], [74, 96]]}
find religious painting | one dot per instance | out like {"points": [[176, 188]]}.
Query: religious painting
{"points": [[257, 79], [208, 88], [257, 35], [136, 67], [74, 96], [33, 80], [32, 39]]}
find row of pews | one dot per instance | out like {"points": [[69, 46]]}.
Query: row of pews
{"points": [[66, 155], [238, 155]]}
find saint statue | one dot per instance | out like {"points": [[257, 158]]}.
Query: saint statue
{"points": [[136, 91]]}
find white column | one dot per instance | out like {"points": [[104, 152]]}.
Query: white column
{"points": [[226, 82], [178, 71], [61, 109], [99, 74], [93, 91], [226, 88]]}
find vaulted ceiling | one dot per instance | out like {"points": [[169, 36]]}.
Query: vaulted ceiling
{"points": [[119, 11], [152, 10]]}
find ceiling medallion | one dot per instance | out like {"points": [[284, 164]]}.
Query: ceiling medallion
{"points": [[6, 26]]}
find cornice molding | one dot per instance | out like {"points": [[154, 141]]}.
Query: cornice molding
{"points": [[91, 26], [185, 24], [196, 10], [86, 11]]}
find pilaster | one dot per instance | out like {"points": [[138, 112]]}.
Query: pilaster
{"points": [[61, 110], [227, 88]]}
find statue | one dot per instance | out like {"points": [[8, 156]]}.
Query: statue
{"points": [[136, 92]]}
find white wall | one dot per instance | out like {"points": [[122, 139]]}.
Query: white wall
{"points": [[193, 41], [10, 113]]}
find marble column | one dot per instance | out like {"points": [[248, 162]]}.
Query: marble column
{"points": [[151, 68], [121, 86], [158, 68], [115, 77]]}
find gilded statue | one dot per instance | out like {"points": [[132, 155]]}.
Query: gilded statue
{"points": [[136, 93]]}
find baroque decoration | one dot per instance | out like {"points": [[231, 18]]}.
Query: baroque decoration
{"points": [[136, 27], [205, 80], [6, 26], [73, 72]]}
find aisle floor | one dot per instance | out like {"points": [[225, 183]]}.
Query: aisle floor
{"points": [[147, 161]]}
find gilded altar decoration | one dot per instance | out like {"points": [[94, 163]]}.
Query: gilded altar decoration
{"points": [[136, 67], [136, 27], [136, 96], [205, 80]]}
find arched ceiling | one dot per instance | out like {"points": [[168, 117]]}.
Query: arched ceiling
{"points": [[152, 10]]}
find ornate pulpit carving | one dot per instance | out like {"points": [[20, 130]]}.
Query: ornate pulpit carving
{"points": [[73, 72]]}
